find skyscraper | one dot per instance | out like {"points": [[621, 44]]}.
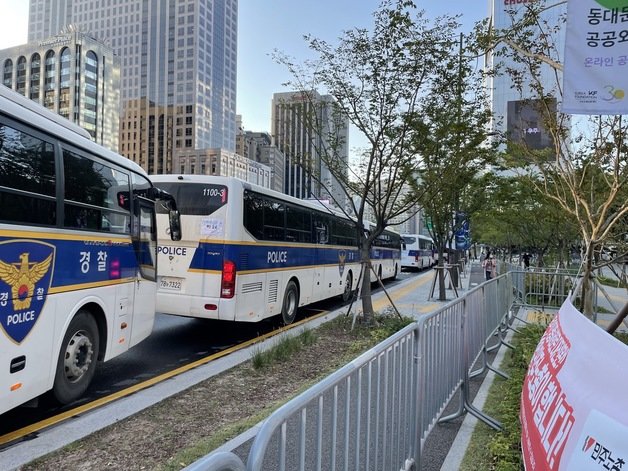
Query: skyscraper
{"points": [[306, 175], [178, 69]]}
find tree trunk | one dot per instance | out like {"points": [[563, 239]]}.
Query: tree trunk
{"points": [[586, 300], [619, 318], [455, 258], [440, 273], [367, 300]]}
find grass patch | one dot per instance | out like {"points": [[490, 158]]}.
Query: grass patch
{"points": [[205, 446], [284, 350], [366, 336], [501, 451]]}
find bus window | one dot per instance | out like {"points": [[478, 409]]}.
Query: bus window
{"points": [[91, 195], [27, 178]]}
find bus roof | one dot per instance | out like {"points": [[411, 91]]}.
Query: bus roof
{"points": [[418, 236], [313, 204], [32, 113], [182, 178]]}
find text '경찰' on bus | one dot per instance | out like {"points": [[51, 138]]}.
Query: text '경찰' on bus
{"points": [[249, 253], [417, 252], [77, 254]]}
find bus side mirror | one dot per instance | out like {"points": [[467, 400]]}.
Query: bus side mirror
{"points": [[174, 218]]}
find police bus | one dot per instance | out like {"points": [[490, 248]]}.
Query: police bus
{"points": [[417, 251], [249, 253], [77, 254]]}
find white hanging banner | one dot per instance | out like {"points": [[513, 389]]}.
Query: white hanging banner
{"points": [[595, 75], [573, 414]]}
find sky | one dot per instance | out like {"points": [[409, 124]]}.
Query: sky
{"points": [[268, 25]]}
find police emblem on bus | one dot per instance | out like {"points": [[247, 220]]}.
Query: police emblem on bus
{"points": [[342, 256], [25, 276]]}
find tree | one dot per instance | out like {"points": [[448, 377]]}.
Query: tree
{"points": [[515, 214], [586, 170], [376, 78], [450, 137]]}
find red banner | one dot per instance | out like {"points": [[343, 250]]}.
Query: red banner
{"points": [[572, 414]]}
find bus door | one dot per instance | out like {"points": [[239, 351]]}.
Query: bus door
{"points": [[145, 246]]}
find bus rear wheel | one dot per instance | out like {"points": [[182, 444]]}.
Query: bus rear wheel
{"points": [[77, 359], [290, 303]]}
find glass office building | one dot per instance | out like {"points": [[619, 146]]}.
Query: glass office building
{"points": [[305, 174], [178, 69], [73, 75]]}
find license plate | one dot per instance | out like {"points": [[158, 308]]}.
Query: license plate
{"points": [[169, 283]]}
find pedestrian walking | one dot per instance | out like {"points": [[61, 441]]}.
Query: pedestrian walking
{"points": [[526, 261], [490, 267], [482, 257]]}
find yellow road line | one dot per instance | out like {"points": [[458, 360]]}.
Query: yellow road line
{"points": [[383, 301]]}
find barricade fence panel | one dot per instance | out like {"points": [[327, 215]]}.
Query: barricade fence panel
{"points": [[360, 417], [441, 362], [376, 412]]}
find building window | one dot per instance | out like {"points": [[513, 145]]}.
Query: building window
{"points": [[50, 71], [35, 77], [20, 85], [90, 109], [64, 83], [7, 74]]}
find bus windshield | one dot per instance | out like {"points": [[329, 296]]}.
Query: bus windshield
{"points": [[194, 199]]}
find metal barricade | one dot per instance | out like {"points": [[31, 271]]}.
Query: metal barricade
{"points": [[360, 417], [220, 461], [441, 363], [376, 412], [547, 289]]}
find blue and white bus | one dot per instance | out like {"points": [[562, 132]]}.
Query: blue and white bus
{"points": [[417, 251], [249, 253], [77, 254]]}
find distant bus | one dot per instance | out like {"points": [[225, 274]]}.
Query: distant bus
{"points": [[77, 254], [249, 253], [417, 252]]}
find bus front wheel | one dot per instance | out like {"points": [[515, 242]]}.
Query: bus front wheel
{"points": [[77, 360], [290, 303]]}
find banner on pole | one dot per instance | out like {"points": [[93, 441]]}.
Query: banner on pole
{"points": [[595, 74], [573, 413]]}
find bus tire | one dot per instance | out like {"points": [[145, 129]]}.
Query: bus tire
{"points": [[394, 277], [348, 291], [77, 359], [290, 303]]}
